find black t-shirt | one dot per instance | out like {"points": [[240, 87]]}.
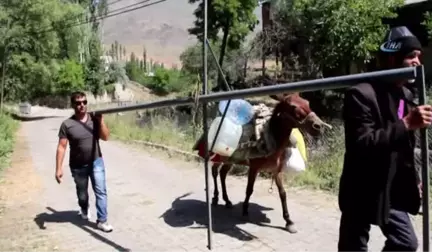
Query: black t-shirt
{"points": [[83, 140]]}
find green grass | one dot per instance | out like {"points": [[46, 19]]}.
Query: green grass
{"points": [[322, 170], [164, 132], [8, 127]]}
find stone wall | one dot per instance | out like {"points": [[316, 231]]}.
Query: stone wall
{"points": [[121, 93]]}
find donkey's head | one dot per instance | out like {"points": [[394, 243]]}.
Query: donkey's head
{"points": [[293, 111]]}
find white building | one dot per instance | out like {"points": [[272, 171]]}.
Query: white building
{"points": [[107, 60]]}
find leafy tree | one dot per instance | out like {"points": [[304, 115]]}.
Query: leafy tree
{"points": [[120, 51], [70, 77], [132, 68], [35, 43], [233, 68], [151, 65], [94, 71], [192, 61], [168, 80], [333, 33], [428, 23], [70, 38], [145, 59], [113, 53], [327, 36], [98, 8], [234, 18], [116, 73], [116, 50], [133, 57]]}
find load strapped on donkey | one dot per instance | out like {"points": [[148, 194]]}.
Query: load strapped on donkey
{"points": [[245, 134]]}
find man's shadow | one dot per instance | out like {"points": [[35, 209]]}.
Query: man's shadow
{"points": [[187, 212], [73, 218]]}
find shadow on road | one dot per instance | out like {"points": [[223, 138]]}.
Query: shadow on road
{"points": [[73, 218], [187, 212], [31, 118]]}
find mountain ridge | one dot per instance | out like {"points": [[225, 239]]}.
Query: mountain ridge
{"points": [[162, 28]]}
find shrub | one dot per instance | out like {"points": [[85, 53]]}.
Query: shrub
{"points": [[8, 126]]}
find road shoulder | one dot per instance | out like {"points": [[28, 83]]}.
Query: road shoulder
{"points": [[20, 186]]}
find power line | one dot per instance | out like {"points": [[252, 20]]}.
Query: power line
{"points": [[106, 16], [113, 2], [85, 12], [122, 8], [133, 9]]}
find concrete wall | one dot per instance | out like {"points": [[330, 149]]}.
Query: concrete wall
{"points": [[121, 93]]}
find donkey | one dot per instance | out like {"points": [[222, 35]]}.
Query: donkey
{"points": [[290, 112]]}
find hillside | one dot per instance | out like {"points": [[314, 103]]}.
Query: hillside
{"points": [[162, 28]]}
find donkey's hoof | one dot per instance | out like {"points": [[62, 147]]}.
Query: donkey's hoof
{"points": [[228, 205], [214, 202], [291, 228], [245, 216]]}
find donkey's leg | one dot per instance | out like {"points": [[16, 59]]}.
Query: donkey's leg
{"points": [[223, 174], [215, 171], [253, 172], [289, 226]]}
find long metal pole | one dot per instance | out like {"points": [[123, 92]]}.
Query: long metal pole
{"points": [[221, 74], [205, 131], [300, 86], [424, 145]]}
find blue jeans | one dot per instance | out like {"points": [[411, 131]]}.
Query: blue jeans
{"points": [[96, 174]]}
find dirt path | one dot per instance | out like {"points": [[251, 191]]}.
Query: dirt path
{"points": [[20, 188], [154, 203]]}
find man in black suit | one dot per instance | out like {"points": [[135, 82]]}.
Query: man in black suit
{"points": [[378, 185]]}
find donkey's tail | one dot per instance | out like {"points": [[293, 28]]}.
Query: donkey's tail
{"points": [[197, 143]]}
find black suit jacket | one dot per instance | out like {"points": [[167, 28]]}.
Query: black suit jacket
{"points": [[378, 172]]}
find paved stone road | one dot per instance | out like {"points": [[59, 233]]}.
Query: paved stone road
{"points": [[159, 204]]}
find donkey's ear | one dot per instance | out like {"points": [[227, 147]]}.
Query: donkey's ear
{"points": [[278, 97], [275, 97]]}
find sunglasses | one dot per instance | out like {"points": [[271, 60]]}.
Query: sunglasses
{"points": [[80, 102]]}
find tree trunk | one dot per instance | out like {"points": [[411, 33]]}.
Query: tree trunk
{"points": [[64, 50], [222, 55], [245, 69]]}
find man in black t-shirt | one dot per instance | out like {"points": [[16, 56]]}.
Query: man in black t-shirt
{"points": [[82, 131]]}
